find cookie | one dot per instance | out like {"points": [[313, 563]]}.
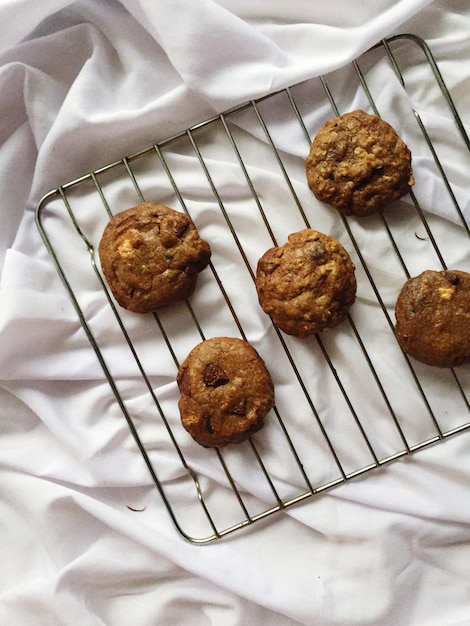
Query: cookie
{"points": [[307, 285], [358, 164], [151, 256], [433, 317], [226, 391]]}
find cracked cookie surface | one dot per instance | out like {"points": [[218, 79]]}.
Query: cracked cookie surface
{"points": [[306, 285], [151, 256], [433, 317], [358, 164], [226, 391]]}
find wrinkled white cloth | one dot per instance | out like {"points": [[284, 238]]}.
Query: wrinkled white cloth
{"points": [[85, 536]]}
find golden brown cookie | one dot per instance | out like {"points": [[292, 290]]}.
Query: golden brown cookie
{"points": [[150, 256], [433, 317], [306, 285], [226, 391], [358, 164]]}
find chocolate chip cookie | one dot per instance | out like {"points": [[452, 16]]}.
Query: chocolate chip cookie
{"points": [[433, 317], [306, 285], [151, 256], [358, 164], [226, 391]]}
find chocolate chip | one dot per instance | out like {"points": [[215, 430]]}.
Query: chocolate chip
{"points": [[238, 407], [451, 278], [207, 424], [214, 375], [184, 381]]}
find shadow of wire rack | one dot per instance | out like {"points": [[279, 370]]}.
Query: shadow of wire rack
{"points": [[348, 401]]}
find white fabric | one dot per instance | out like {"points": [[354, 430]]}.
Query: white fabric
{"points": [[85, 537]]}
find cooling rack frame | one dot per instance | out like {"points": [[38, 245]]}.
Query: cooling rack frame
{"points": [[231, 484]]}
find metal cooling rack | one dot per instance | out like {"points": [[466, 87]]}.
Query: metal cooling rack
{"points": [[322, 435]]}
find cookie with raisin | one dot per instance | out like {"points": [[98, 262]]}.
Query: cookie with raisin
{"points": [[308, 284], [226, 391], [358, 164], [432, 315], [151, 256]]}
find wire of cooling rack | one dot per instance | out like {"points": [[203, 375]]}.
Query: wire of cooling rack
{"points": [[208, 486]]}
